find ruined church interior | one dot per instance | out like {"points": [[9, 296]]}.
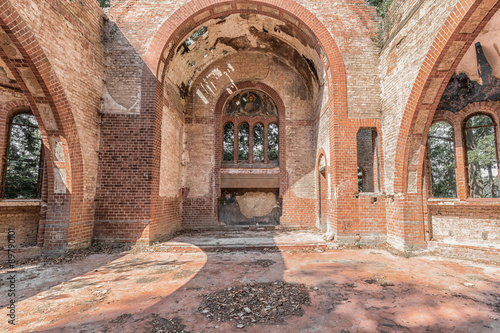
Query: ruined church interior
{"points": [[250, 165], [130, 123]]}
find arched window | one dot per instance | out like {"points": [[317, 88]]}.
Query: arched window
{"points": [[228, 143], [258, 143], [250, 135], [482, 157], [442, 160], [273, 142], [243, 142], [23, 167]]}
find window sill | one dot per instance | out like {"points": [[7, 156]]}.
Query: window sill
{"points": [[21, 203], [475, 202], [244, 165]]}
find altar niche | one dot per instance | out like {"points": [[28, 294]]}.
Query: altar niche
{"points": [[250, 170]]}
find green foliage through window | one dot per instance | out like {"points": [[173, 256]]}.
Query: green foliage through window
{"points": [[482, 157], [442, 160], [273, 142], [228, 143], [243, 142], [104, 3], [22, 177], [385, 26], [382, 6], [258, 143]]}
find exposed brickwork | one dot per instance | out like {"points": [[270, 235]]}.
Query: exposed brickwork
{"points": [[148, 161], [23, 218]]}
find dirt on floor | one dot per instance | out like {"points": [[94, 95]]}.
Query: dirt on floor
{"points": [[349, 290]]}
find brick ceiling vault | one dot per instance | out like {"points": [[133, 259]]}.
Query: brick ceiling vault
{"points": [[218, 37]]}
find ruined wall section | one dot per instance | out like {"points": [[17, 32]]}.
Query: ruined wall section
{"points": [[139, 20], [73, 44], [401, 60], [352, 25]]}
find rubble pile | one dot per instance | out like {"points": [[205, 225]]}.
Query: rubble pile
{"points": [[261, 303]]}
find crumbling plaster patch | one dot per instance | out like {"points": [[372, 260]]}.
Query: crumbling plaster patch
{"points": [[256, 204]]}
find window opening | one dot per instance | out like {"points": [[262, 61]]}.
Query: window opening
{"points": [[273, 142], [24, 161], [243, 142], [194, 37], [368, 160], [442, 160], [228, 143], [258, 143], [482, 157]]}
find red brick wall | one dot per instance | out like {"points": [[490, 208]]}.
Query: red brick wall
{"points": [[68, 114], [23, 218], [125, 171]]}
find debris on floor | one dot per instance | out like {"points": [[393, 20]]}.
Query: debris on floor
{"points": [[261, 303]]}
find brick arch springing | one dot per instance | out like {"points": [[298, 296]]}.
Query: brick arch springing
{"points": [[466, 21], [48, 102]]}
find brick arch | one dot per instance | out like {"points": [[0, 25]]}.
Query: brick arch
{"points": [[321, 153], [7, 111], [169, 32], [492, 109], [463, 25], [48, 102]]}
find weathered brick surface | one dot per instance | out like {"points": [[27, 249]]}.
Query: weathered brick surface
{"points": [[23, 219], [72, 42], [148, 163], [400, 63]]}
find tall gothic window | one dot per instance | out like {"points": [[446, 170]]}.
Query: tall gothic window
{"points": [[243, 142], [442, 160], [273, 142], [250, 120], [23, 163], [482, 157], [228, 143], [258, 143]]}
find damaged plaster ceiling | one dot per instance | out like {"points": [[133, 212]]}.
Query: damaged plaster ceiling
{"points": [[240, 33]]}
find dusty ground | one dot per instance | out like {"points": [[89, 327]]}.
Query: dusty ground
{"points": [[361, 290]]}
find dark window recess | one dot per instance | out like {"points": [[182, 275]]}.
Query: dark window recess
{"points": [[228, 144], [360, 180], [258, 143], [482, 157], [368, 160], [273, 142], [442, 160], [243, 142], [24, 163]]}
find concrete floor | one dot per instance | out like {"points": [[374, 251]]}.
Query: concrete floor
{"points": [[350, 290]]}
